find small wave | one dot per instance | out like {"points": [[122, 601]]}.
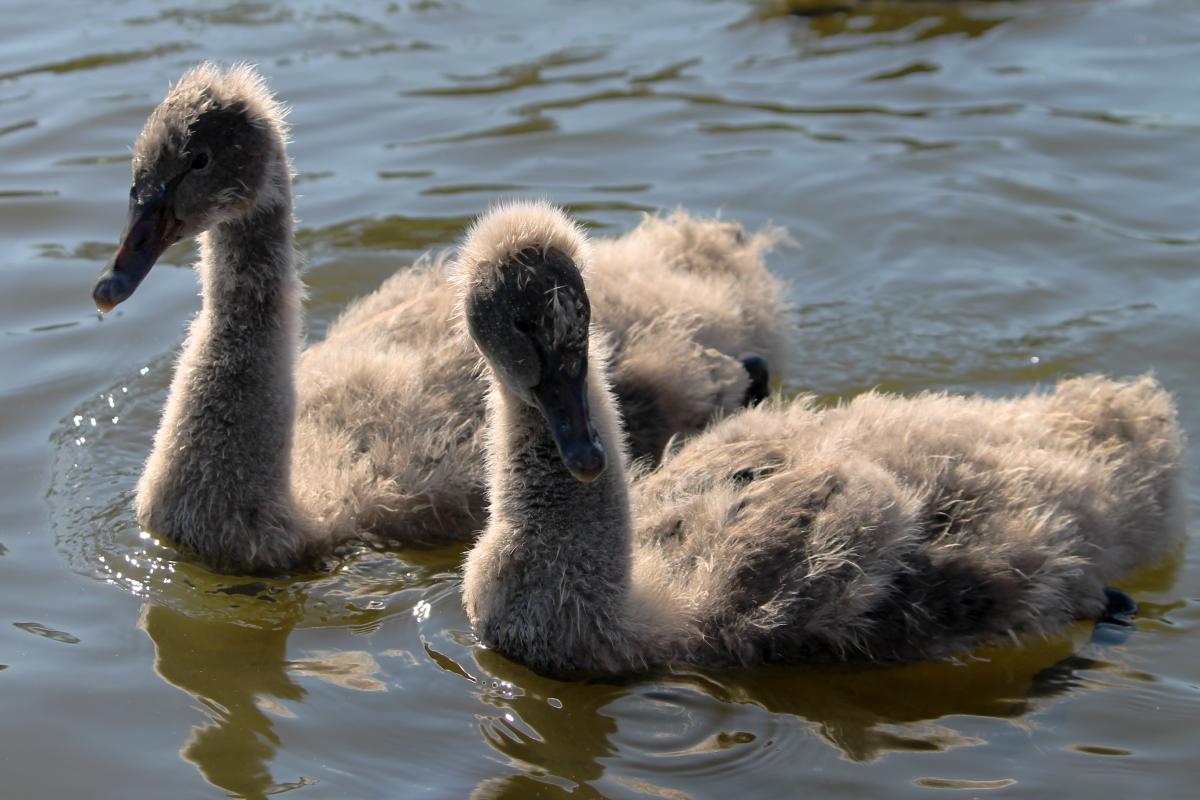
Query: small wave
{"points": [[99, 451]]}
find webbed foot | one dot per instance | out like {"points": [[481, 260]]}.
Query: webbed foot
{"points": [[1119, 609]]}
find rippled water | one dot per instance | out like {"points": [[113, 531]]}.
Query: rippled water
{"points": [[987, 195]]}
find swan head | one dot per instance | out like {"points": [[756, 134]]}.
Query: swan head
{"points": [[527, 309], [214, 148]]}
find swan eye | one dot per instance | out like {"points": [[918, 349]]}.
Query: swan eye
{"points": [[200, 162]]}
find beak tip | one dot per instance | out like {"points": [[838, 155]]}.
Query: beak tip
{"points": [[588, 464], [587, 477], [110, 290]]}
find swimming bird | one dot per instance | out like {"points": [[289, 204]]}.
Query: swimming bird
{"points": [[267, 457], [886, 528]]}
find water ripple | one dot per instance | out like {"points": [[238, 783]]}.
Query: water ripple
{"points": [[38, 629], [22, 125], [98, 61], [919, 20], [110, 436], [523, 75]]}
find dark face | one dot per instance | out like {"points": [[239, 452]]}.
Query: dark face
{"points": [[531, 323], [185, 179]]}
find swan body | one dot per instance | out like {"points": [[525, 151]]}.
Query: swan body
{"points": [[886, 528], [267, 457]]}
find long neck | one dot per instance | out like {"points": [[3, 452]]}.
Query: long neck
{"points": [[548, 582], [218, 479]]}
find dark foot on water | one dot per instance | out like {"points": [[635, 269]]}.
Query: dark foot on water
{"points": [[1120, 608], [760, 379]]}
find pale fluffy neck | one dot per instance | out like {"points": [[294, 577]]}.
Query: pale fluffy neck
{"points": [[218, 479], [549, 580]]}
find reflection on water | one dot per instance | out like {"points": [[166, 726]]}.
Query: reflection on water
{"points": [[243, 681], [238, 675], [568, 734], [556, 737], [571, 734], [542, 725]]}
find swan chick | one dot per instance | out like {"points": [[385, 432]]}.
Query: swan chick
{"points": [[885, 529], [269, 457]]}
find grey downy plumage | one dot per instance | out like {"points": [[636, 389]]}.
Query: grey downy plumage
{"points": [[886, 528], [268, 457]]}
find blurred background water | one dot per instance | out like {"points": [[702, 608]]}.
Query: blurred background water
{"points": [[987, 195]]}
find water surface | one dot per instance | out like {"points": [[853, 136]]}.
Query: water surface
{"points": [[986, 196]]}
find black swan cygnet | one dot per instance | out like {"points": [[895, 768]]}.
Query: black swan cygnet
{"points": [[886, 528], [268, 457]]}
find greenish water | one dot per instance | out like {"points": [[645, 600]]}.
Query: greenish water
{"points": [[987, 195]]}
